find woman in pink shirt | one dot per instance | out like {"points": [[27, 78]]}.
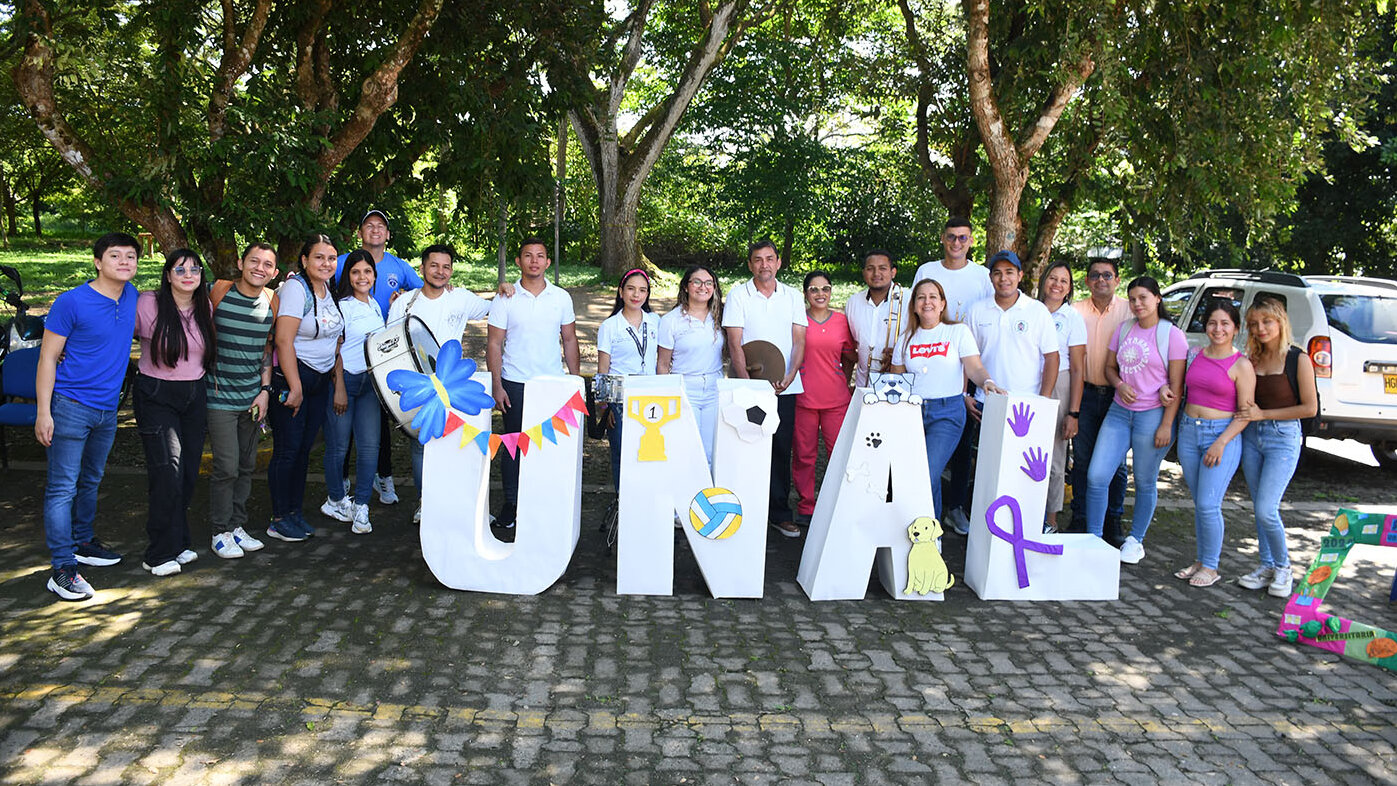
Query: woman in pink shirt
{"points": [[820, 408], [1220, 381], [175, 326]]}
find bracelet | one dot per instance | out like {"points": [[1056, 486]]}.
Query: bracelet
{"points": [[266, 388], [1075, 414]]}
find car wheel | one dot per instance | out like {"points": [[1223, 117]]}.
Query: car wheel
{"points": [[1385, 453]]}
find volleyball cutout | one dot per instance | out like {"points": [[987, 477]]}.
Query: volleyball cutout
{"points": [[715, 513]]}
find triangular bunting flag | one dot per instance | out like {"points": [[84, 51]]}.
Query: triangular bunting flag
{"points": [[560, 425], [468, 433], [536, 434], [577, 402], [568, 417], [495, 443], [524, 444], [511, 443], [453, 422], [546, 428], [483, 441]]}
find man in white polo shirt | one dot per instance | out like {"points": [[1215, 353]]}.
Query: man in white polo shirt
{"points": [[444, 311], [764, 309], [965, 282], [877, 315], [1018, 345], [531, 334]]}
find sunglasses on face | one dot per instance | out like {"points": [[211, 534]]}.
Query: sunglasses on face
{"points": [[190, 269], [815, 289], [957, 238], [1101, 276]]}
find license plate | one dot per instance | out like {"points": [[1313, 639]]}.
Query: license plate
{"points": [[1389, 383]]}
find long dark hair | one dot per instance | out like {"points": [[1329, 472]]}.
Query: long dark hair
{"points": [[620, 302], [1152, 286], [168, 345], [715, 306], [343, 287]]}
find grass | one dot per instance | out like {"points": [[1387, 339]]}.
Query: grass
{"points": [[51, 266]]}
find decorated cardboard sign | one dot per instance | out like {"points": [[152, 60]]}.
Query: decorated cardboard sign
{"points": [[1007, 557], [1304, 623], [665, 474], [456, 539], [880, 451]]}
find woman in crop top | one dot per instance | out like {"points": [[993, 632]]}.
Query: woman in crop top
{"points": [[1285, 393], [1145, 364], [1219, 381]]}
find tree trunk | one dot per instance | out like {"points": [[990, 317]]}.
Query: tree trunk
{"points": [[36, 207], [560, 195], [620, 245], [503, 237], [7, 201], [788, 237]]}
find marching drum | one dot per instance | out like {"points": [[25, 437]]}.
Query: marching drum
{"points": [[408, 344], [609, 388]]}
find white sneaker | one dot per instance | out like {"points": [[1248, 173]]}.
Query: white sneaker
{"points": [[384, 488], [187, 556], [166, 568], [361, 521], [226, 547], [1132, 551], [1257, 579], [245, 541], [417, 517], [1283, 583], [339, 509]]}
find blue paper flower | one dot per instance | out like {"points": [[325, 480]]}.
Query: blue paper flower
{"points": [[451, 387]]}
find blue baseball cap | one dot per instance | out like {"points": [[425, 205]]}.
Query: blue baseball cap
{"points": [[1006, 256]]}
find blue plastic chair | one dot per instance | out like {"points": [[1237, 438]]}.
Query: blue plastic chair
{"points": [[17, 374]]}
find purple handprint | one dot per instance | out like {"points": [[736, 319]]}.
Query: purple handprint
{"points": [[1022, 419], [1035, 464]]}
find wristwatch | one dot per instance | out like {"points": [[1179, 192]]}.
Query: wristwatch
{"points": [[1076, 413], [267, 388]]}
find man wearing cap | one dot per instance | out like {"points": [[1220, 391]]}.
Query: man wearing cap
{"points": [[391, 275], [1018, 345], [764, 309], [877, 315]]}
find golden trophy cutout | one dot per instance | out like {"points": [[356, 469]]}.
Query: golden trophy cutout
{"points": [[654, 412]]}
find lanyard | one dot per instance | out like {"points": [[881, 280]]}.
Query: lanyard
{"points": [[642, 343]]}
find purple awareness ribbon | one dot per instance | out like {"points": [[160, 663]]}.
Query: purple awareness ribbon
{"points": [[1017, 538]]}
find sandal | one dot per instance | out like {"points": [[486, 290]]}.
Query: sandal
{"points": [[1205, 581], [1187, 573]]}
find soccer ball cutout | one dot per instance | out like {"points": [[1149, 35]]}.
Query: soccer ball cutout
{"points": [[715, 513], [894, 389], [751, 414]]}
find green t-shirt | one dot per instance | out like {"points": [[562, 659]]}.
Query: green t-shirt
{"points": [[241, 325]]}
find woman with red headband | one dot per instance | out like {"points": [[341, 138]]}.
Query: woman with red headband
{"points": [[627, 343]]}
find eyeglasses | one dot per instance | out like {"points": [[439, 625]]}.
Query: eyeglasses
{"points": [[699, 283], [183, 269], [815, 290], [957, 238], [1101, 276]]}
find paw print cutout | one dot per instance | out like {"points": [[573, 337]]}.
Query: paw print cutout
{"points": [[874, 440]]}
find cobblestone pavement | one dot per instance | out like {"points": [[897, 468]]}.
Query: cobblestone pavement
{"points": [[342, 660]]}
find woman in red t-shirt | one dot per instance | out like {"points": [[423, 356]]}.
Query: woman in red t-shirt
{"points": [[820, 408]]}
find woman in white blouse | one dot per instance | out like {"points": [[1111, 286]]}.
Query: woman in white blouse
{"points": [[354, 406], [627, 343], [691, 343]]}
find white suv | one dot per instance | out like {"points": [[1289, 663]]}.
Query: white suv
{"points": [[1347, 325]]}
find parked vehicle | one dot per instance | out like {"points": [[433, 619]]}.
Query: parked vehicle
{"points": [[1348, 327], [22, 330]]}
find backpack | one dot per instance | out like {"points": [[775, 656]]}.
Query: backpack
{"points": [[1161, 337], [1309, 425]]}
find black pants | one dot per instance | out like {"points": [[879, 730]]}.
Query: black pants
{"points": [[170, 416], [509, 465], [1095, 403], [782, 443]]}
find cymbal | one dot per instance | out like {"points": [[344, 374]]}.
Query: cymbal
{"points": [[764, 361]]}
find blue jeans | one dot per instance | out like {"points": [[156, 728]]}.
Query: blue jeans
{"points": [[1270, 453], [943, 421], [293, 435], [1123, 431], [1208, 484], [361, 420], [77, 457], [1095, 405]]}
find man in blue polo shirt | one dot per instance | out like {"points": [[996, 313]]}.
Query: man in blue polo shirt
{"points": [[89, 328], [391, 275]]}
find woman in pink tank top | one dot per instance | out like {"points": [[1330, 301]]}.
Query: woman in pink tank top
{"points": [[1219, 381]]}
